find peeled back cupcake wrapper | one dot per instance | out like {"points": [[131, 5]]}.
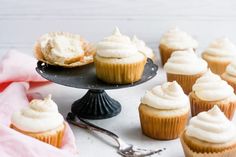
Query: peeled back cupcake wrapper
{"points": [[198, 106], [89, 52]]}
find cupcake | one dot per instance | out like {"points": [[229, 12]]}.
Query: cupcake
{"points": [[64, 49], [142, 47], [164, 111], [175, 40], [219, 54], [40, 120], [118, 60], [230, 74], [209, 134], [209, 90], [185, 67]]}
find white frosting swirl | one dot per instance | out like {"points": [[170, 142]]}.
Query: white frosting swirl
{"points": [[116, 46], [59, 47], [221, 48], [167, 96], [211, 126], [231, 69], [185, 62], [39, 116], [177, 39], [210, 87], [141, 46]]}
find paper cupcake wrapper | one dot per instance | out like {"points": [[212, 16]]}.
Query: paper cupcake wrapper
{"points": [[185, 81], [53, 137], [119, 73], [215, 66], [161, 128], [231, 152], [198, 105], [231, 83], [165, 53], [89, 52]]}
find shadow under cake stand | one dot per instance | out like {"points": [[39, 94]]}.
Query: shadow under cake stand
{"points": [[96, 103]]}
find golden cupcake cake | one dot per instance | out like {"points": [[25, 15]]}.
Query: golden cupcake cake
{"points": [[209, 134], [185, 67], [230, 74], [164, 111], [40, 120], [209, 90], [175, 40], [118, 60], [64, 49], [219, 54], [142, 47]]}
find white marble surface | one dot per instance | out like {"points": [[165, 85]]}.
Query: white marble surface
{"points": [[22, 22]]}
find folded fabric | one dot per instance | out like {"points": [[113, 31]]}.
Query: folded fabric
{"points": [[16, 71]]}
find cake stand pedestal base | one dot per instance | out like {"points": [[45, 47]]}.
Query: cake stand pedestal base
{"points": [[96, 104]]}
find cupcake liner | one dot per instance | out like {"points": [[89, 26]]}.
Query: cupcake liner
{"points": [[230, 82], [53, 137], [161, 127], [229, 152], [217, 67], [89, 52], [165, 53], [198, 105], [116, 73], [185, 81]]}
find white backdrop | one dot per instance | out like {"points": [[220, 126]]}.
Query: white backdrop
{"points": [[23, 21]]}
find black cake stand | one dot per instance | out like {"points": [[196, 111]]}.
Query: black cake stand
{"points": [[96, 103]]}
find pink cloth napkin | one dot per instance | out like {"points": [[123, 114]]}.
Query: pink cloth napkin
{"points": [[16, 71]]}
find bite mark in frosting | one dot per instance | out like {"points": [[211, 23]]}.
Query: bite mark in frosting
{"points": [[185, 62], [60, 47], [39, 116], [167, 96], [211, 126]]}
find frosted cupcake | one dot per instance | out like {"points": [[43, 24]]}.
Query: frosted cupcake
{"points": [[118, 60], [175, 40], [230, 74], [164, 111], [64, 49], [142, 47], [185, 67], [40, 120], [209, 90], [209, 134], [219, 54]]}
